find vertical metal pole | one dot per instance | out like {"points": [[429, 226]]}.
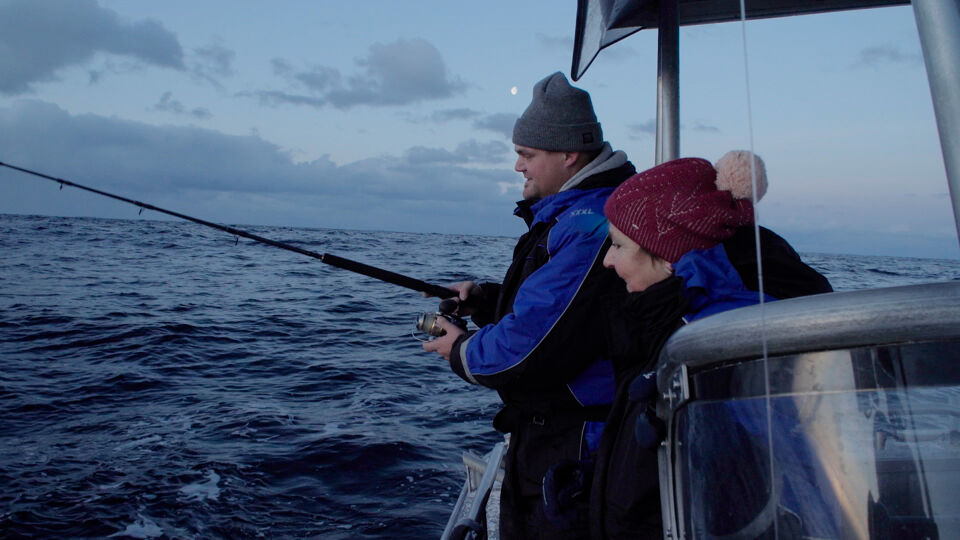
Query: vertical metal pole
{"points": [[668, 82], [938, 22]]}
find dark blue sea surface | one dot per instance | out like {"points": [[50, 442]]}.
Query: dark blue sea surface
{"points": [[162, 380]]}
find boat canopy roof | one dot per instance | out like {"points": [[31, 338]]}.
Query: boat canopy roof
{"points": [[601, 23]]}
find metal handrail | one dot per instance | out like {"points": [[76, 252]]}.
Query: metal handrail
{"points": [[462, 526]]}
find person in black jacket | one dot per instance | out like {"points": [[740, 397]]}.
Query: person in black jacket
{"points": [[540, 328]]}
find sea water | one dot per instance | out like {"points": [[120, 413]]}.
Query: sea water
{"points": [[159, 379]]}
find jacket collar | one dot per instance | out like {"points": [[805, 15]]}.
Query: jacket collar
{"points": [[602, 177], [606, 160]]}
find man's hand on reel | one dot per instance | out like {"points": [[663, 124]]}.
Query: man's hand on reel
{"points": [[444, 344]]}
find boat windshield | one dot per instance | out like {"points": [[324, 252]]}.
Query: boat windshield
{"points": [[865, 444]]}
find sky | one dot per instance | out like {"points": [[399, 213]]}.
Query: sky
{"points": [[397, 115]]}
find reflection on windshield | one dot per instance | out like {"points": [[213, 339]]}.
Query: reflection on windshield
{"points": [[876, 463]]}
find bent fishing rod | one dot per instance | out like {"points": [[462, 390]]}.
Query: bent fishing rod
{"points": [[333, 260]]}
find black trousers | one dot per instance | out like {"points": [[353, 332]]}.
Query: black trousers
{"points": [[536, 444]]}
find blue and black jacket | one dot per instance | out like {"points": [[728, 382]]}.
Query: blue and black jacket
{"points": [[540, 352]]}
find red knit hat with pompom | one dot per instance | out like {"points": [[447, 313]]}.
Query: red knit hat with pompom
{"points": [[687, 204]]}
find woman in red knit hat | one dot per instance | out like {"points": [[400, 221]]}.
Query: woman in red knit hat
{"points": [[659, 215], [682, 240]]}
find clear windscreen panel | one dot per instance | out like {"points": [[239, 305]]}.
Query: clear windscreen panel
{"points": [[850, 444]]}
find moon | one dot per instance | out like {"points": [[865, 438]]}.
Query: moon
{"points": [[513, 91]]}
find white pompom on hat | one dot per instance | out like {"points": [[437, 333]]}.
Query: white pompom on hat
{"points": [[734, 175]]}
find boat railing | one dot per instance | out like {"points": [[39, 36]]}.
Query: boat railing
{"points": [[469, 516], [832, 415]]}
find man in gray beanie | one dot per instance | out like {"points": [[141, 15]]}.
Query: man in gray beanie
{"points": [[559, 118], [540, 329]]}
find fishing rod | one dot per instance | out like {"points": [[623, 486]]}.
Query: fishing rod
{"points": [[333, 260]]}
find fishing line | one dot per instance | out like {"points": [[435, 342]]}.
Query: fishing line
{"points": [[327, 258], [756, 238]]}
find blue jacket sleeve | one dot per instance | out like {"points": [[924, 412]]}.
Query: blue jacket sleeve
{"points": [[531, 341]]}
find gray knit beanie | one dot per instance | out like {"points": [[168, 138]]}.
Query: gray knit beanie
{"points": [[559, 119]]}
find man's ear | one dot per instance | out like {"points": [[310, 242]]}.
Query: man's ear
{"points": [[570, 158]]}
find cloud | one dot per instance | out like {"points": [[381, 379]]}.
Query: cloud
{"points": [[212, 63], [477, 152], [419, 155], [138, 156], [447, 115], [705, 128], [640, 131], [227, 177], [398, 73], [501, 123], [442, 116], [470, 151], [649, 128], [320, 79], [168, 104], [281, 67], [554, 43], [37, 39], [280, 98], [885, 54]]}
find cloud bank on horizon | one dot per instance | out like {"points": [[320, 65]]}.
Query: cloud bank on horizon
{"points": [[394, 118]]}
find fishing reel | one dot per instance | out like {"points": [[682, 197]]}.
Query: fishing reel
{"points": [[427, 322]]}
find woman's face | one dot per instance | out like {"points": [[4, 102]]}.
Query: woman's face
{"points": [[638, 268]]}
